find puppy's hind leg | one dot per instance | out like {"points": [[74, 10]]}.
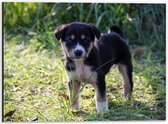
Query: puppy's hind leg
{"points": [[126, 72]]}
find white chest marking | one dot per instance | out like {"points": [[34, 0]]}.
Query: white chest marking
{"points": [[82, 72]]}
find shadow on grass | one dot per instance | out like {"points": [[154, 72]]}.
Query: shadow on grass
{"points": [[127, 110]]}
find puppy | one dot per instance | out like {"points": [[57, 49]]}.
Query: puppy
{"points": [[89, 57]]}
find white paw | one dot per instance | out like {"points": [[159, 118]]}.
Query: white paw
{"points": [[102, 106]]}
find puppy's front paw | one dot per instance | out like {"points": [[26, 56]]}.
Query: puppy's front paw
{"points": [[102, 106], [75, 107]]}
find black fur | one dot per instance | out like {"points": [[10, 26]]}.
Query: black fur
{"points": [[117, 30]]}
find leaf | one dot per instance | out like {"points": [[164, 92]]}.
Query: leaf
{"points": [[10, 113], [139, 51], [87, 97], [64, 95], [139, 115], [35, 119], [142, 116]]}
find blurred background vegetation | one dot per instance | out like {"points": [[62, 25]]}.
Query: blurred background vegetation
{"points": [[143, 24]]}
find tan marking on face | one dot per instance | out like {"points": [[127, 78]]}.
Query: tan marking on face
{"points": [[72, 37], [82, 36], [65, 50], [90, 48], [127, 85]]}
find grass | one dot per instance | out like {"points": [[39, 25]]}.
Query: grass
{"points": [[35, 87]]}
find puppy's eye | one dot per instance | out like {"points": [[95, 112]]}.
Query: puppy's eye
{"points": [[82, 36], [72, 37]]}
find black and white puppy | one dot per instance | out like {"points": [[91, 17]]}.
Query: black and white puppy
{"points": [[89, 57]]}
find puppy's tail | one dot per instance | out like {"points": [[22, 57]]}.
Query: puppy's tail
{"points": [[117, 30]]}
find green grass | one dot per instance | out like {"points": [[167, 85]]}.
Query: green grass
{"points": [[35, 87]]}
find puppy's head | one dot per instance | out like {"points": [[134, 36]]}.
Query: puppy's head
{"points": [[77, 39]]}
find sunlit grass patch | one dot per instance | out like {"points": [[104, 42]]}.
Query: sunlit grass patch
{"points": [[35, 89]]}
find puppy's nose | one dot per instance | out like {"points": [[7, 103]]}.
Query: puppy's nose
{"points": [[78, 53]]}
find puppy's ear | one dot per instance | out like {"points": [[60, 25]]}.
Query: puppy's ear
{"points": [[95, 31], [59, 32]]}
